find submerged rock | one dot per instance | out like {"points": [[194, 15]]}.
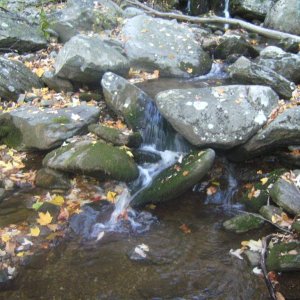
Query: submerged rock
{"points": [[285, 64], [116, 136], [283, 131], [19, 34], [268, 211], [284, 257], [177, 179], [247, 72], [51, 179], [95, 159], [85, 16], [84, 59], [284, 16], [48, 128], [157, 44], [221, 117], [15, 79], [243, 223], [286, 195]]}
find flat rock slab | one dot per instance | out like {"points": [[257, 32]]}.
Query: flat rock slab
{"points": [[85, 59], [48, 128], [16, 78], [220, 117], [246, 72], [177, 179], [283, 131], [95, 159], [158, 44], [18, 34]]}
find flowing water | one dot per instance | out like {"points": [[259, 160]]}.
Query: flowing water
{"points": [[226, 13]]}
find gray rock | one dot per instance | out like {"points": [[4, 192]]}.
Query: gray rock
{"points": [[56, 83], [233, 44], [247, 72], [2, 194], [253, 257], [116, 136], [85, 59], [286, 195], [48, 128], [284, 257], [170, 183], [251, 9], [85, 16], [157, 44], [95, 159], [15, 79], [51, 179], [130, 12], [284, 16], [243, 223], [18, 34], [283, 63], [283, 131], [268, 211], [220, 117]]}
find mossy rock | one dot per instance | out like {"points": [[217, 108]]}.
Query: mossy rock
{"points": [[142, 156], [95, 159], [296, 226], [51, 179], [284, 257], [268, 211], [243, 223], [171, 183], [116, 136], [9, 134], [254, 201]]}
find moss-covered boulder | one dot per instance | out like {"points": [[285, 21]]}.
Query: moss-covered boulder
{"points": [[51, 179], [117, 136], [269, 211], [258, 194], [95, 159], [243, 223], [296, 225], [284, 257], [286, 195], [177, 179]]}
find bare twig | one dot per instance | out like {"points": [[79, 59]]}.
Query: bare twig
{"points": [[269, 33]]}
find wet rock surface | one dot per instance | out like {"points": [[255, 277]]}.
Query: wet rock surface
{"points": [[243, 223]]}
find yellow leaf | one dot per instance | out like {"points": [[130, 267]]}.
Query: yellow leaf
{"points": [[189, 70], [129, 153], [264, 180], [185, 173], [5, 237], [21, 254], [39, 72], [44, 218], [35, 231], [57, 200], [52, 227], [111, 196]]}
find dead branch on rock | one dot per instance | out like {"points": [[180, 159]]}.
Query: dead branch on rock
{"points": [[269, 33]]}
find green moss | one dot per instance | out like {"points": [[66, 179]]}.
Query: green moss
{"points": [[296, 226], [61, 120], [243, 223], [9, 134], [284, 257], [176, 179]]}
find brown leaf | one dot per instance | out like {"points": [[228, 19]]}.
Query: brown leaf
{"points": [[185, 229]]}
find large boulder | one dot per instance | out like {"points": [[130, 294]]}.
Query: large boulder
{"points": [[18, 34], [48, 128], [157, 44], [16, 78], [84, 59], [85, 16], [284, 16], [220, 117], [243, 223], [283, 131], [95, 159], [251, 9], [177, 179], [286, 195], [247, 72], [283, 63]]}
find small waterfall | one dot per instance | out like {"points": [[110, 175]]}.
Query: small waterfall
{"points": [[226, 13]]}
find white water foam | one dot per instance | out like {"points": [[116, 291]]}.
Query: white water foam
{"points": [[226, 13]]}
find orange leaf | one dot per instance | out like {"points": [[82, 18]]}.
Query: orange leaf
{"points": [[185, 229]]}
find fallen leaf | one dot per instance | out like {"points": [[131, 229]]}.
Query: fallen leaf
{"points": [[10, 247], [189, 70], [211, 190], [237, 253], [185, 173], [39, 72], [185, 229], [52, 227], [257, 271], [37, 205], [63, 215], [57, 200], [21, 254], [35, 231], [5, 237], [264, 180], [111, 196], [44, 218]]}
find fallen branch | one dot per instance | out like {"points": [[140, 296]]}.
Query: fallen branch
{"points": [[269, 33]]}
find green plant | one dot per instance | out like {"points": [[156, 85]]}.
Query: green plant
{"points": [[44, 23]]}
